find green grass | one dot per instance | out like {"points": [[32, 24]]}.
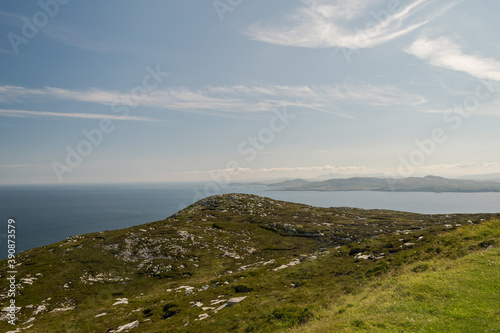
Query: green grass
{"points": [[461, 295]]}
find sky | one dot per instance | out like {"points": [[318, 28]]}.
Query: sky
{"points": [[231, 90]]}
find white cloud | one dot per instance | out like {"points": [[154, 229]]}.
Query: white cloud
{"points": [[445, 53], [458, 169], [282, 171], [492, 109], [321, 23], [446, 170], [32, 114], [236, 100], [22, 166]]}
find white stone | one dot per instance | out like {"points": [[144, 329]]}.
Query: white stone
{"points": [[196, 304], [235, 300], [221, 307], [63, 309], [217, 301], [128, 326], [28, 280], [39, 309], [203, 316], [363, 256], [186, 288], [281, 267], [120, 301]]}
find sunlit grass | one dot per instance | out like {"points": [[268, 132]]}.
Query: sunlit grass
{"points": [[449, 296]]}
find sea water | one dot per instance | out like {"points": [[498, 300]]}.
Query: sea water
{"points": [[47, 214]]}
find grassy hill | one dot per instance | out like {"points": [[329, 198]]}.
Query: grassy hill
{"points": [[244, 263]]}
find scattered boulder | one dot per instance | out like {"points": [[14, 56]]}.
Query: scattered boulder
{"points": [[120, 301], [203, 316], [69, 308], [362, 256], [196, 304], [39, 309], [217, 301], [220, 307], [235, 300], [128, 326]]}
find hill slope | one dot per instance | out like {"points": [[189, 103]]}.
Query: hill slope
{"points": [[229, 263], [431, 296]]}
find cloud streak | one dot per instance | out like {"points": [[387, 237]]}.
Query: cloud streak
{"points": [[238, 100], [36, 114], [357, 170], [279, 170], [445, 53], [323, 24]]}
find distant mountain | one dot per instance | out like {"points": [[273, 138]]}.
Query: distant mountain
{"points": [[248, 184], [293, 182], [260, 182], [341, 176], [412, 184], [485, 177]]}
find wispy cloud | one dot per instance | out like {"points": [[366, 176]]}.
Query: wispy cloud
{"points": [[445, 53], [236, 100], [10, 18], [34, 114], [64, 35], [288, 169], [451, 169], [492, 109], [16, 166], [321, 23]]}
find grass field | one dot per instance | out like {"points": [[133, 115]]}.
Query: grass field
{"points": [[461, 295]]}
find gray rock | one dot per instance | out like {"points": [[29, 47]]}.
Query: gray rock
{"points": [[235, 300], [128, 326]]}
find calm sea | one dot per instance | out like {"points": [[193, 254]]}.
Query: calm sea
{"points": [[47, 214]]}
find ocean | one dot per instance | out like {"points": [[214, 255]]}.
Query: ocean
{"points": [[46, 214]]}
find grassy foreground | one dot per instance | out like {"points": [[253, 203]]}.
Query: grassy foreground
{"points": [[460, 295]]}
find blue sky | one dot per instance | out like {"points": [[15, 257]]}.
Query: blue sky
{"points": [[127, 91]]}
